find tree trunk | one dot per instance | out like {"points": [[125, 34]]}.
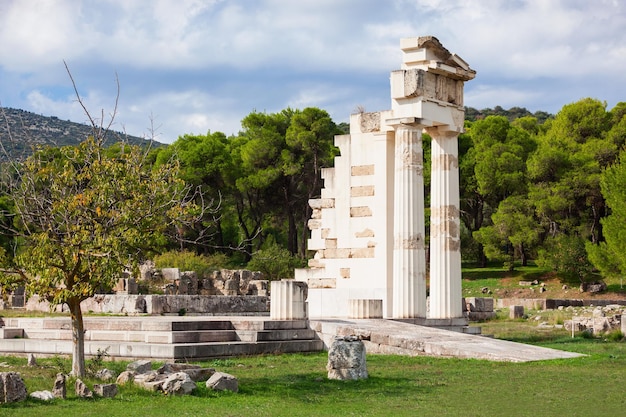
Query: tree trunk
{"points": [[78, 338]]}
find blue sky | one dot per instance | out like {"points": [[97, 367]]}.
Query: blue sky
{"points": [[192, 66]]}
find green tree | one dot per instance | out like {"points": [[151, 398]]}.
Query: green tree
{"points": [[492, 169], [309, 138], [281, 159], [609, 256], [204, 165], [82, 218], [566, 170], [513, 233]]}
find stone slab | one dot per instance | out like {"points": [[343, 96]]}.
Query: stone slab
{"points": [[387, 336]]}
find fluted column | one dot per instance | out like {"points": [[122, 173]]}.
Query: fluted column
{"points": [[445, 235], [409, 261]]}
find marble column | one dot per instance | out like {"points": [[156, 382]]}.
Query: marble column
{"points": [[409, 261], [445, 235]]}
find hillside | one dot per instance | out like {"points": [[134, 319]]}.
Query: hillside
{"points": [[21, 131]]}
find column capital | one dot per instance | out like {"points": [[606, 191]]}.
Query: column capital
{"points": [[414, 122], [443, 131]]}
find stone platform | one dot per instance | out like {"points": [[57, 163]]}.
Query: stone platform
{"points": [[400, 338], [200, 337], [161, 337]]}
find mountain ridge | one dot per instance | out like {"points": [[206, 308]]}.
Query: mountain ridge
{"points": [[21, 131]]}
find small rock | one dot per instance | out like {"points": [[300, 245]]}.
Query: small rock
{"points": [[59, 389], [125, 377], [81, 389], [178, 383], [42, 395], [221, 381], [13, 387], [105, 390], [32, 361], [140, 367], [105, 374]]}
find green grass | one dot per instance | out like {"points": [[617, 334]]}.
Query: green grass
{"points": [[296, 385]]}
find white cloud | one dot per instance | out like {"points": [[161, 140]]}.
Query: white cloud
{"points": [[205, 64]]}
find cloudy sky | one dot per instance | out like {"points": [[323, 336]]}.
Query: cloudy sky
{"points": [[192, 66]]}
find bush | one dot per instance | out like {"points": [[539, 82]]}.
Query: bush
{"points": [[567, 256], [189, 261], [274, 262]]}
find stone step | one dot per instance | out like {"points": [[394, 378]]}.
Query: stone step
{"points": [[174, 351], [6, 333], [205, 351], [259, 325], [275, 335]]}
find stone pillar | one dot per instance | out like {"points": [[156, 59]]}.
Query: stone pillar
{"points": [[409, 261], [445, 235], [288, 300]]}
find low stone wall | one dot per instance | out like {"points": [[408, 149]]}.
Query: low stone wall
{"points": [[208, 305], [553, 303]]}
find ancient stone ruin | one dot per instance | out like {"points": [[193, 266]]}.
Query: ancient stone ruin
{"points": [[368, 226], [347, 359]]}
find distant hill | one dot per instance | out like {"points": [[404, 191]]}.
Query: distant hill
{"points": [[513, 113], [29, 130]]}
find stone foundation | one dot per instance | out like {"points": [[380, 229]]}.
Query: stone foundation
{"points": [[217, 305]]}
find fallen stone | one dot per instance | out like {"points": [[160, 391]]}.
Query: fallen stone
{"points": [[151, 381], [346, 359], [105, 374], [195, 372], [516, 312], [178, 383], [105, 390], [59, 389], [221, 381], [12, 387], [125, 377], [32, 361], [82, 390], [42, 395], [140, 367]]}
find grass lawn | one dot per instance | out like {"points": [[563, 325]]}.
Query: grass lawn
{"points": [[296, 385]]}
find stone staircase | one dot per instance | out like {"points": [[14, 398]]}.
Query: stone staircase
{"points": [[161, 337]]}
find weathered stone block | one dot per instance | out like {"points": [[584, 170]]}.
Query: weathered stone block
{"points": [[12, 387], [362, 191], [105, 390], [346, 359], [321, 203], [479, 304], [221, 381], [363, 211], [516, 312], [140, 366], [42, 395], [170, 274], [82, 390], [322, 283], [178, 383], [59, 389], [360, 170]]}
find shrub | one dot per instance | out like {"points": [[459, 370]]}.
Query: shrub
{"points": [[189, 261], [567, 256], [274, 262]]}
